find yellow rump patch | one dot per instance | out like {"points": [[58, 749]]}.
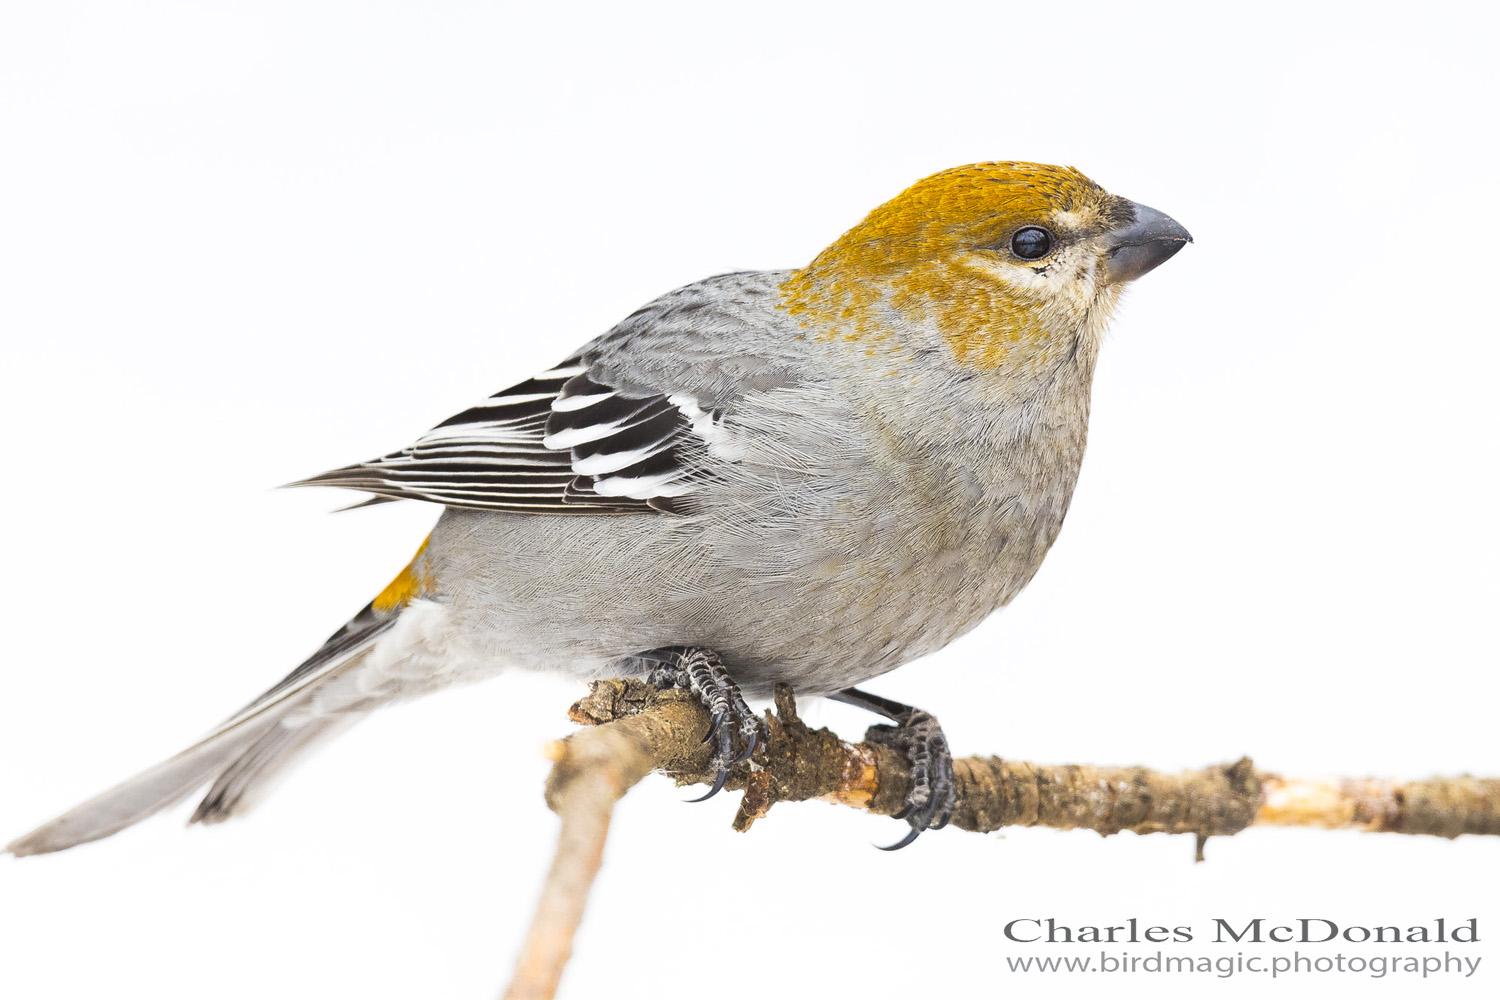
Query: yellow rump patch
{"points": [[411, 583]]}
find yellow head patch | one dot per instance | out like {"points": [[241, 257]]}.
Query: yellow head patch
{"points": [[931, 254], [960, 208]]}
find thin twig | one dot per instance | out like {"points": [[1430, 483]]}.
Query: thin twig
{"points": [[591, 771], [635, 730]]}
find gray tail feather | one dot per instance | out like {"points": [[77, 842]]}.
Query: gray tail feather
{"points": [[151, 791], [238, 757], [258, 769]]}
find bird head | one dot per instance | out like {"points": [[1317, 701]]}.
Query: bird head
{"points": [[1005, 264]]}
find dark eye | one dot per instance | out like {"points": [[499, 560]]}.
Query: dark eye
{"points": [[1031, 243]]}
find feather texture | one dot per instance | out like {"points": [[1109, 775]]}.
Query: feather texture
{"points": [[251, 744], [564, 442]]}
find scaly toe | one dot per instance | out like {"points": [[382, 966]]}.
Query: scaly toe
{"points": [[700, 672]]}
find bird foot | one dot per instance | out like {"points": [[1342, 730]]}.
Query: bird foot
{"points": [[700, 672], [930, 800]]}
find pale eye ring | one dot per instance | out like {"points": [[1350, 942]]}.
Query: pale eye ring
{"points": [[1031, 243]]}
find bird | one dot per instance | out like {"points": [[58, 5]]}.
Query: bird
{"points": [[809, 476]]}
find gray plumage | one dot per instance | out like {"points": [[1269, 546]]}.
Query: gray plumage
{"points": [[819, 551], [819, 493]]}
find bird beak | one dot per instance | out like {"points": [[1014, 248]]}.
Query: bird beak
{"points": [[1142, 244]]}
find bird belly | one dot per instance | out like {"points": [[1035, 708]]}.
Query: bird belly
{"points": [[822, 606]]}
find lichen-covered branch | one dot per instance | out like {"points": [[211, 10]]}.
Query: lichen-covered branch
{"points": [[1440, 807], [799, 763], [635, 729]]}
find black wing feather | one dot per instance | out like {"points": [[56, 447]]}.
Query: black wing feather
{"points": [[560, 443]]}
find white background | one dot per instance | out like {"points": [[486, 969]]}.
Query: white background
{"points": [[240, 244]]}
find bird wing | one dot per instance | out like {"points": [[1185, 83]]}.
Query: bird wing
{"points": [[564, 442], [644, 418]]}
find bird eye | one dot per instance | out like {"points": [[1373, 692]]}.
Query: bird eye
{"points": [[1031, 243]]}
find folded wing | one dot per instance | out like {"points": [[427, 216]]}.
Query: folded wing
{"points": [[564, 442]]}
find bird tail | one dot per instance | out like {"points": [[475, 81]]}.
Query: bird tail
{"points": [[251, 745], [240, 757]]}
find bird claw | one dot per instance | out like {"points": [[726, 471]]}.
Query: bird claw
{"points": [[931, 797], [700, 672], [911, 836], [718, 786], [752, 740]]}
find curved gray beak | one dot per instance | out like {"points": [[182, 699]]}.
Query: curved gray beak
{"points": [[1141, 245]]}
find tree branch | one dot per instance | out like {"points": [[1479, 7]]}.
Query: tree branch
{"points": [[636, 729], [591, 770]]}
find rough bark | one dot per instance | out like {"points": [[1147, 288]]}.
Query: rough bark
{"points": [[635, 729]]}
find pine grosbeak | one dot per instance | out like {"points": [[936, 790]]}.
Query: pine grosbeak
{"points": [[808, 476]]}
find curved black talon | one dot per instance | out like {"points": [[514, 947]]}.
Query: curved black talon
{"points": [[903, 842], [751, 742], [717, 732], [701, 672], [716, 789], [917, 735]]}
